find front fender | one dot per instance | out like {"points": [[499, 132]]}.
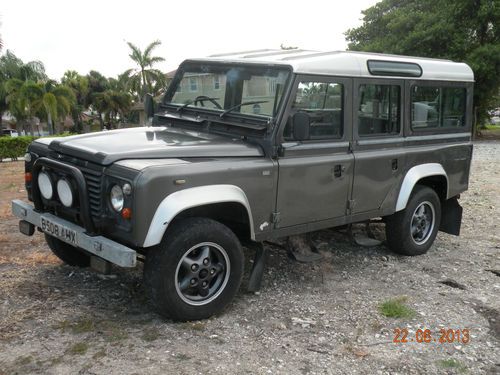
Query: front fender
{"points": [[182, 200]]}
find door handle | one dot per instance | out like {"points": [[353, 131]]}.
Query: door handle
{"points": [[338, 170], [394, 164]]}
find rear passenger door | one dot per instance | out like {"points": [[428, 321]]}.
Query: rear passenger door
{"points": [[315, 175], [378, 143]]}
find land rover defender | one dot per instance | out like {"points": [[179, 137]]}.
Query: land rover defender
{"points": [[255, 146]]}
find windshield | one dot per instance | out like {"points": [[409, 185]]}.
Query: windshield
{"points": [[249, 90]]}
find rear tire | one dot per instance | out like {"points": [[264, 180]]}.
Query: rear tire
{"points": [[413, 230], [195, 271], [68, 254]]}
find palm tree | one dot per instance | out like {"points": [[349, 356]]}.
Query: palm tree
{"points": [[113, 105], [97, 85], [14, 101], [144, 78], [80, 86], [13, 67], [47, 100]]}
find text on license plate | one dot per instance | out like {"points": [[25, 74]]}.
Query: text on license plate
{"points": [[59, 231]]}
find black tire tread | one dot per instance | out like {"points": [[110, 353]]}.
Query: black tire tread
{"points": [[161, 261], [398, 237]]}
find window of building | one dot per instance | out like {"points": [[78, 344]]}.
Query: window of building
{"points": [[193, 84], [379, 111], [324, 103], [437, 107], [216, 82]]}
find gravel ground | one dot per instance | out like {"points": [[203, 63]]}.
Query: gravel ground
{"points": [[307, 319]]}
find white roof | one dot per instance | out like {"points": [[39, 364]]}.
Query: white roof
{"points": [[347, 63]]}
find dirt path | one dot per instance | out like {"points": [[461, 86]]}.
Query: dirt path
{"points": [[315, 319]]}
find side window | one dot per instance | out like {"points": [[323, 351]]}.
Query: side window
{"points": [[379, 111], [437, 108], [323, 102]]}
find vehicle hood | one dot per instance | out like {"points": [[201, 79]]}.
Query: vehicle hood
{"points": [[107, 147]]}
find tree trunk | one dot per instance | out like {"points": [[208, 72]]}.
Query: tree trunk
{"points": [[49, 123], [32, 132], [101, 121]]}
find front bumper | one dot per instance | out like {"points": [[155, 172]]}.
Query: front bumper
{"points": [[98, 245]]}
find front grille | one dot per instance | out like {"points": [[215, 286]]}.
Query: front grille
{"points": [[94, 187], [93, 174]]}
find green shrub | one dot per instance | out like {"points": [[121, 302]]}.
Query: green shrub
{"points": [[14, 147], [396, 308]]}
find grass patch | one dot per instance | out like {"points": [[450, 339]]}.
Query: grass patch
{"points": [[56, 361], [112, 331], [24, 360], [452, 363], [150, 335], [196, 326], [80, 326], [100, 354], [396, 308], [79, 348], [492, 127], [9, 187], [182, 357]]}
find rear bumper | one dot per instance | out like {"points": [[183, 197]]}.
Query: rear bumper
{"points": [[100, 246]]}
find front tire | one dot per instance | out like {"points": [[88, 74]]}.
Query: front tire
{"points": [[195, 271], [413, 230], [67, 253]]}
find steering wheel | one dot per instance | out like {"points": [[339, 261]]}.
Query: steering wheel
{"points": [[203, 98]]}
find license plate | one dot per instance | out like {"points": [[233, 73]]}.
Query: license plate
{"points": [[60, 231]]}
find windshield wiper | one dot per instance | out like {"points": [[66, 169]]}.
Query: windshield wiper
{"points": [[198, 99], [184, 106], [241, 105]]}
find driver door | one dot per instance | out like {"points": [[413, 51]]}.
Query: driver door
{"points": [[315, 174]]}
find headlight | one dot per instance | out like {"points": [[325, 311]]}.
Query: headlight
{"points": [[45, 185], [65, 193], [116, 198]]}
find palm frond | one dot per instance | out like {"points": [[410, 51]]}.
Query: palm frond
{"points": [[155, 59], [150, 48]]}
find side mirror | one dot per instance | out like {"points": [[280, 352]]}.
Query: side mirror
{"points": [[149, 108], [301, 124]]}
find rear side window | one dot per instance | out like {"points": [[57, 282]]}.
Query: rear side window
{"points": [[323, 102], [437, 108], [379, 111]]}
